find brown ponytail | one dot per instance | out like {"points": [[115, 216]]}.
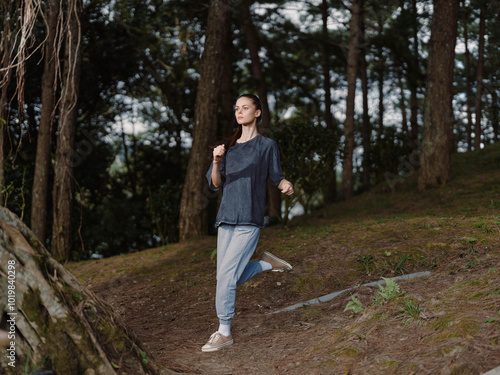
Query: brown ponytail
{"points": [[231, 140]]}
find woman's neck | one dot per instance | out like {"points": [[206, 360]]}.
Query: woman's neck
{"points": [[247, 133]]}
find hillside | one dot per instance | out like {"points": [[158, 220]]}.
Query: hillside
{"points": [[446, 323]]}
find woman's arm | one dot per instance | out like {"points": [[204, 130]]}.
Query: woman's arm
{"points": [[218, 154], [285, 186], [216, 177]]}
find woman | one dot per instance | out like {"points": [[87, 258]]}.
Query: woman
{"points": [[240, 168]]}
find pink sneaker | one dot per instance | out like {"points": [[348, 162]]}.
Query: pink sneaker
{"points": [[279, 265], [216, 342]]}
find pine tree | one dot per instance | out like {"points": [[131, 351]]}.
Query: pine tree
{"points": [[193, 215], [438, 109]]}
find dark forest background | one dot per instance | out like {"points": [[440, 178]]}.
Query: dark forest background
{"points": [[129, 96]]}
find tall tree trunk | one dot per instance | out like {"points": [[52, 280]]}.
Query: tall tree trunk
{"points": [[55, 321], [3, 126], [479, 81], [366, 130], [62, 193], [413, 86], [438, 111], [380, 69], [43, 149], [18, 19], [413, 79], [226, 121], [404, 117], [494, 114], [253, 46], [468, 86], [352, 65], [193, 221], [330, 193], [5, 78], [227, 95]]}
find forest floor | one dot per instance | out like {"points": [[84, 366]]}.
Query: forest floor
{"points": [[445, 323]]}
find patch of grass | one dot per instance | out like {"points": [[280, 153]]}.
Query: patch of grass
{"points": [[367, 263], [346, 351], [486, 228], [493, 320], [389, 363], [410, 309], [450, 327], [470, 283], [424, 226], [452, 350], [399, 263], [382, 316], [442, 322], [307, 283], [309, 313], [398, 218]]}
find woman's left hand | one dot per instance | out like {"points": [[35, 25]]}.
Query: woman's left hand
{"points": [[286, 187]]}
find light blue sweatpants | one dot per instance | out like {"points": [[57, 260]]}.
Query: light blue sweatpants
{"points": [[235, 246]]}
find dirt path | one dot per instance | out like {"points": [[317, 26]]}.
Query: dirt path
{"points": [[456, 331]]}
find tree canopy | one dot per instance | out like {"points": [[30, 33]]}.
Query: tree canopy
{"points": [[136, 115]]}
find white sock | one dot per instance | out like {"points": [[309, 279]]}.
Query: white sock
{"points": [[265, 266], [225, 329]]}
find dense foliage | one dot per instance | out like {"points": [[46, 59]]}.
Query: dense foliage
{"points": [[139, 75]]}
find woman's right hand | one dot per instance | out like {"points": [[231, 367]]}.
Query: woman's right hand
{"points": [[219, 152]]}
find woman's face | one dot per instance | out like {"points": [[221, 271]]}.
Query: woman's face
{"points": [[245, 111]]}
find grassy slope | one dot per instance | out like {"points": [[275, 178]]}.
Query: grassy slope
{"points": [[448, 320]]}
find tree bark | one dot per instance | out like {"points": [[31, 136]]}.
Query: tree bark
{"points": [[366, 130], [53, 319], [43, 149], [404, 117], [330, 193], [468, 86], [479, 82], [413, 79], [193, 221], [258, 75], [62, 193], [227, 95], [494, 114], [380, 68], [438, 111], [414, 112], [352, 65], [3, 127], [274, 194], [5, 78]]}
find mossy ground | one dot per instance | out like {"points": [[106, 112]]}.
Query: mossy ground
{"points": [[445, 322]]}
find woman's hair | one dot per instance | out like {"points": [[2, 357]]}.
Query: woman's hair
{"points": [[231, 140]]}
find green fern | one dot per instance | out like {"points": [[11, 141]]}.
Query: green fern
{"points": [[387, 292], [354, 305]]}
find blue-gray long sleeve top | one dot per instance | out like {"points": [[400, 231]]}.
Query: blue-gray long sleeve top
{"points": [[244, 169]]}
